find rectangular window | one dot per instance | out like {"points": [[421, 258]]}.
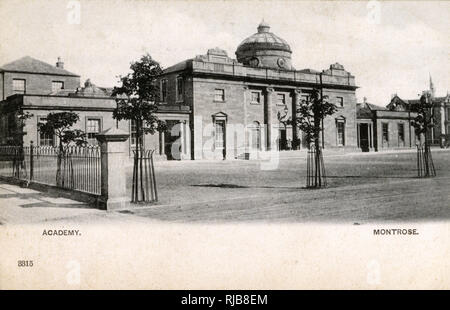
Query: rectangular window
{"points": [[281, 99], [44, 139], [340, 101], [219, 135], [163, 90], [93, 127], [448, 114], [19, 86], [133, 134], [340, 133], [219, 94], [57, 86], [401, 134], [256, 97], [180, 88], [385, 131]]}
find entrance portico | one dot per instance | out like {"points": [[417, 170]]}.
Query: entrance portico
{"points": [[175, 142]]}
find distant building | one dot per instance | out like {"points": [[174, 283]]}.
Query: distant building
{"points": [[390, 127], [382, 128], [439, 134]]}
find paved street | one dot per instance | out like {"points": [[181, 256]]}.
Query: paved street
{"points": [[362, 188], [259, 231]]}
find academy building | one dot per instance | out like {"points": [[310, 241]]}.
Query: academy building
{"points": [[235, 108], [216, 106]]}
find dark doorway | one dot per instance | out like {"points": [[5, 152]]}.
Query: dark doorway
{"points": [[364, 137], [172, 142], [282, 140]]}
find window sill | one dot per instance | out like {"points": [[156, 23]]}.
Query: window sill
{"points": [[255, 102], [219, 101]]}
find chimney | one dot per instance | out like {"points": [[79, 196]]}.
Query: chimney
{"points": [[60, 63], [393, 95], [365, 99]]}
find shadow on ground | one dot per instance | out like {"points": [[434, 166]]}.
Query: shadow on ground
{"points": [[45, 200], [399, 198]]}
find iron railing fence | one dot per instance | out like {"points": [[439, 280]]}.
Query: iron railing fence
{"points": [[75, 167], [14, 161]]}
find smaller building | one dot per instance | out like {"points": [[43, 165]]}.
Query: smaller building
{"points": [[30, 86], [439, 134], [380, 128]]}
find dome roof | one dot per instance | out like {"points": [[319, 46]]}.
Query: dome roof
{"points": [[264, 39]]}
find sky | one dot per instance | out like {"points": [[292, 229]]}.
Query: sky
{"points": [[389, 46]]}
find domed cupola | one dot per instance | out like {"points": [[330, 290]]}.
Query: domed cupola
{"points": [[265, 49]]}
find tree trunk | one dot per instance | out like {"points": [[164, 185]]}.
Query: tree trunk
{"points": [[59, 164], [426, 151], [138, 178], [317, 171], [140, 160]]}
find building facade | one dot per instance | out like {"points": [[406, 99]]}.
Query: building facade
{"points": [[239, 107], [218, 107], [31, 86], [381, 128], [439, 133]]}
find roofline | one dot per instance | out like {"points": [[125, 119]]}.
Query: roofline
{"points": [[171, 72], [189, 61], [63, 108], [394, 111], [41, 73], [55, 96], [272, 81], [170, 69]]}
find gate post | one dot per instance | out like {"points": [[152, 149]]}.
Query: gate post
{"points": [[114, 150]]}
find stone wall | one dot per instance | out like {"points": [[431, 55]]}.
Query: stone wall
{"points": [[205, 107], [346, 113], [393, 119], [239, 112]]}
